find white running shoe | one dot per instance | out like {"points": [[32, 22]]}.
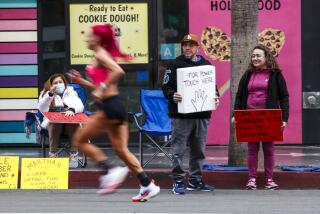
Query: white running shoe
{"points": [[146, 193], [73, 160], [110, 182]]}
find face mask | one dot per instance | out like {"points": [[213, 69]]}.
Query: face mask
{"points": [[60, 88]]}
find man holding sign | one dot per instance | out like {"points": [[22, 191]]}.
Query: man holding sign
{"points": [[189, 126]]}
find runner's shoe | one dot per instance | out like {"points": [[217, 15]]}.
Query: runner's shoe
{"points": [[110, 182], [251, 184], [146, 193], [271, 185]]}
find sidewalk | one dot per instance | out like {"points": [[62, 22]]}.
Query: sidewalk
{"points": [[159, 169]]}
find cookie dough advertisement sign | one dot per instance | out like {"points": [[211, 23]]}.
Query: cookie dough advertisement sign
{"points": [[279, 29], [130, 21]]}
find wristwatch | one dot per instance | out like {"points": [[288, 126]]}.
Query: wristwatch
{"points": [[103, 85]]}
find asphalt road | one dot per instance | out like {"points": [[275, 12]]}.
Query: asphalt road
{"points": [[219, 201]]}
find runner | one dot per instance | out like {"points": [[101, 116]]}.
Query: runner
{"points": [[111, 116]]}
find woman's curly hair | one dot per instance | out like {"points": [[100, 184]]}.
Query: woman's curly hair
{"points": [[271, 61]]}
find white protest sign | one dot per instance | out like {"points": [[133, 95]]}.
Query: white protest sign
{"points": [[197, 86]]}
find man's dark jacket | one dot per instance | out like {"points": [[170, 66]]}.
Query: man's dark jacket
{"points": [[277, 97], [170, 87]]}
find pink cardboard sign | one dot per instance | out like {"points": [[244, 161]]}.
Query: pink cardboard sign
{"points": [[59, 117]]}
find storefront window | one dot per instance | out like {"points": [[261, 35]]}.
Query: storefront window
{"points": [[53, 39], [172, 26]]}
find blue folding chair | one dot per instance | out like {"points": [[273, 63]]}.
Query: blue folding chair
{"points": [[157, 123], [81, 91]]}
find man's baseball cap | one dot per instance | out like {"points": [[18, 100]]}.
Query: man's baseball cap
{"points": [[190, 38]]}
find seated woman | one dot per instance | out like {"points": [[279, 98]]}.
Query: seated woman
{"points": [[56, 96]]}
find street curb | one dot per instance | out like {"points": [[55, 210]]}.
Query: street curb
{"points": [[220, 179]]}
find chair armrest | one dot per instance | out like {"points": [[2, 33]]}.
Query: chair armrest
{"points": [[137, 115], [133, 117]]}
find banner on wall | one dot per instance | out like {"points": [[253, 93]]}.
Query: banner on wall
{"points": [[279, 29], [130, 21]]}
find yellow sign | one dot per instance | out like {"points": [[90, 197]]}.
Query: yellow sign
{"points": [[130, 18], [9, 172], [44, 173]]}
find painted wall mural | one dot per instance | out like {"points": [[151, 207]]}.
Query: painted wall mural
{"points": [[279, 29], [18, 67]]}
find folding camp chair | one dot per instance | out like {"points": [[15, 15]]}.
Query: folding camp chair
{"points": [[157, 123], [42, 134]]}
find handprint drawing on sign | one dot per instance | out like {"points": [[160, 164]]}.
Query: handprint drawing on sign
{"points": [[199, 99]]}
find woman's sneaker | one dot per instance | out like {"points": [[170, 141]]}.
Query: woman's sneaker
{"points": [[146, 193], [271, 185], [251, 184], [110, 182]]}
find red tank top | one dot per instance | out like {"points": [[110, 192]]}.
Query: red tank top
{"points": [[97, 74]]}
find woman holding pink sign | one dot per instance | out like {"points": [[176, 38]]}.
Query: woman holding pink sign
{"points": [[262, 86], [56, 96]]}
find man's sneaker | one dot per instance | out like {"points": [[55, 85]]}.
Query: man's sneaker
{"points": [[178, 188], [251, 184], [199, 185], [271, 185], [146, 193], [110, 182]]}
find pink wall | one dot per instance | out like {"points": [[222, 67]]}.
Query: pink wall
{"points": [[285, 17]]}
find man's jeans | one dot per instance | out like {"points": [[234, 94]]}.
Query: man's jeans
{"points": [[193, 131]]}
